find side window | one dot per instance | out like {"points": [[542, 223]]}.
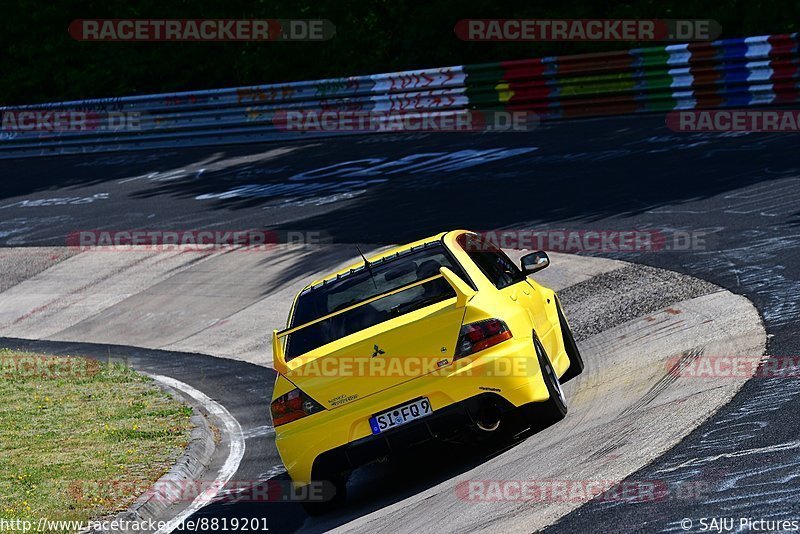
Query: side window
{"points": [[494, 263]]}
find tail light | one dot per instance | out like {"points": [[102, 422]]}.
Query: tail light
{"points": [[293, 406], [475, 337]]}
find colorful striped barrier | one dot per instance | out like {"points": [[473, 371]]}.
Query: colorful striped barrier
{"points": [[727, 73]]}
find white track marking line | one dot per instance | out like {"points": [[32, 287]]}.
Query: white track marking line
{"points": [[232, 462]]}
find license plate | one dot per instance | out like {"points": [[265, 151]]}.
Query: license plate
{"points": [[401, 415]]}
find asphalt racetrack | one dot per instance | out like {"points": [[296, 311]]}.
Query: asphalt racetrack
{"points": [[737, 197]]}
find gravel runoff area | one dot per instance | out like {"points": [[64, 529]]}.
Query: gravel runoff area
{"points": [[626, 294]]}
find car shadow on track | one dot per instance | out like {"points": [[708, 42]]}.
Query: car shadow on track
{"points": [[370, 488]]}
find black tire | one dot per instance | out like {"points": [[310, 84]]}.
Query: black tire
{"points": [[555, 408], [335, 491], [574, 355]]}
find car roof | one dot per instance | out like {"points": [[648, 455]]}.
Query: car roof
{"points": [[381, 255]]}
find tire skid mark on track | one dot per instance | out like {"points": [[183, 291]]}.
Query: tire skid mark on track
{"points": [[667, 380], [617, 442]]}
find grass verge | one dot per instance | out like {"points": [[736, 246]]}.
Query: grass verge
{"points": [[81, 439]]}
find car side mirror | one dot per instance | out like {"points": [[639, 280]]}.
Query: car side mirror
{"points": [[534, 262]]}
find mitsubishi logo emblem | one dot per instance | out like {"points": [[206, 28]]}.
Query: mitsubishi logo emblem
{"points": [[377, 351]]}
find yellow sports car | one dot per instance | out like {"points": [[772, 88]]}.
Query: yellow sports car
{"points": [[437, 338]]}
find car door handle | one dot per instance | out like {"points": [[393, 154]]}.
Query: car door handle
{"points": [[513, 295]]}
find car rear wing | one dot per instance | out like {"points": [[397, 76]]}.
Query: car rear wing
{"points": [[463, 294]]}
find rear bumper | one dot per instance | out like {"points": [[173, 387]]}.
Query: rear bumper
{"points": [[441, 424], [342, 437]]}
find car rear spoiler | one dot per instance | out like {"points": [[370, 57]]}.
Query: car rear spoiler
{"points": [[463, 294]]}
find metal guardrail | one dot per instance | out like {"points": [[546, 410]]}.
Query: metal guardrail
{"points": [[749, 71]]}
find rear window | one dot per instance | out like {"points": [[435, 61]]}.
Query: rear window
{"points": [[361, 284]]}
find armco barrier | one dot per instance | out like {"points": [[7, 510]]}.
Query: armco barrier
{"points": [[727, 73]]}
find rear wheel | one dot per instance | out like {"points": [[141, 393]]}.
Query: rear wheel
{"points": [[574, 355], [555, 408]]}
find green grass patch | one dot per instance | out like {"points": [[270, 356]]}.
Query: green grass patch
{"points": [[81, 439]]}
